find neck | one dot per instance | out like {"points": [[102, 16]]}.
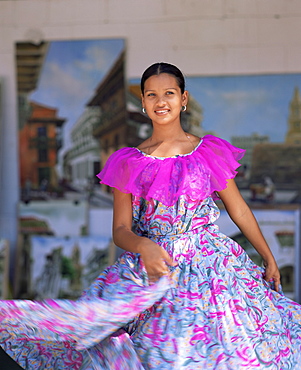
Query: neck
{"points": [[167, 134]]}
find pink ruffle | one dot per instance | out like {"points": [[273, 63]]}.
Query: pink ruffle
{"points": [[196, 175]]}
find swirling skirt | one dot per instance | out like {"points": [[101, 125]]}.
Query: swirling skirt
{"points": [[214, 312]]}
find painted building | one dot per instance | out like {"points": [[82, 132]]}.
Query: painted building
{"points": [[83, 157], [248, 143], [111, 131], [39, 142], [29, 63], [293, 136], [118, 126]]}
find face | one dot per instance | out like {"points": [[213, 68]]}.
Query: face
{"points": [[163, 99]]}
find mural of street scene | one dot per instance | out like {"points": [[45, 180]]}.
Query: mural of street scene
{"points": [[60, 105], [262, 114], [67, 91]]}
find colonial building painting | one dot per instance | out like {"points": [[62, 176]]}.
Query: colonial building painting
{"points": [[282, 161], [82, 161], [39, 142]]}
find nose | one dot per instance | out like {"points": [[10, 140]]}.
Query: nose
{"points": [[161, 101]]}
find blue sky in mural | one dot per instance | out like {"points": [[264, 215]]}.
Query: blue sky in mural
{"points": [[71, 72], [243, 105]]}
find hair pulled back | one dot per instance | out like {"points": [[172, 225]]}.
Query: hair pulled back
{"points": [[158, 68]]}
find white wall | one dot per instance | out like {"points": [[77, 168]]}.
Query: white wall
{"points": [[202, 37]]}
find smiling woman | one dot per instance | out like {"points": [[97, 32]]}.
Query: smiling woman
{"points": [[163, 98]]}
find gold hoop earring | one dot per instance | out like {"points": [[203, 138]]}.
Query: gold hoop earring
{"points": [[184, 108]]}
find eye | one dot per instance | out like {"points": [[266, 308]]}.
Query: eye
{"points": [[169, 93], [151, 94]]}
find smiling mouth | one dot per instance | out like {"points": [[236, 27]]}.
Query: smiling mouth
{"points": [[162, 111]]}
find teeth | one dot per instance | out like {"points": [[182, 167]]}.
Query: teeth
{"points": [[162, 111]]}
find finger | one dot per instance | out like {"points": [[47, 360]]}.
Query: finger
{"points": [[267, 277], [274, 282], [157, 276], [153, 278], [277, 283], [169, 261]]}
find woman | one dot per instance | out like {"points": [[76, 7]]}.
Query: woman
{"points": [[183, 296]]}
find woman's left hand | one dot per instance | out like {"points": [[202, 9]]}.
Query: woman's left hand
{"points": [[272, 273]]}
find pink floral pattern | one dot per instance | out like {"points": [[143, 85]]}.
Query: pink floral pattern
{"points": [[220, 313]]}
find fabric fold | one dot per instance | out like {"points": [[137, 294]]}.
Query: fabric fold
{"points": [[86, 321]]}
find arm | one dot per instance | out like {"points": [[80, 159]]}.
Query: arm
{"points": [[154, 257], [243, 217]]}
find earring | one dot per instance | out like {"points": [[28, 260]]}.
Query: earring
{"points": [[184, 108], [143, 110]]}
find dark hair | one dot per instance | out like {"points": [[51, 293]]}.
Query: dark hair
{"points": [[158, 68]]}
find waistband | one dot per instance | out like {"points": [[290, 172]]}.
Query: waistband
{"points": [[173, 236]]}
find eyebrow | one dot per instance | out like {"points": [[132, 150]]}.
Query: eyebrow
{"points": [[169, 88]]}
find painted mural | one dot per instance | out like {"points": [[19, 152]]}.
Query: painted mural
{"points": [[262, 114], [60, 112], [68, 91]]}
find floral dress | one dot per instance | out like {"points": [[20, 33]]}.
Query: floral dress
{"points": [[213, 312]]}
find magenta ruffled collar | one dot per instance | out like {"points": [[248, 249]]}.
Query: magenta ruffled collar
{"points": [[197, 174]]}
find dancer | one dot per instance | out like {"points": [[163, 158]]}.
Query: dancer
{"points": [[183, 296]]}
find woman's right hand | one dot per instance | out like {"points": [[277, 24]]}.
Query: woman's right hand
{"points": [[156, 260]]}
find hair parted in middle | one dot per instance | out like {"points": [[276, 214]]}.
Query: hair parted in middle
{"points": [[162, 67]]}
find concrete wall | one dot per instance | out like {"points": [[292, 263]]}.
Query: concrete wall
{"points": [[202, 37]]}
